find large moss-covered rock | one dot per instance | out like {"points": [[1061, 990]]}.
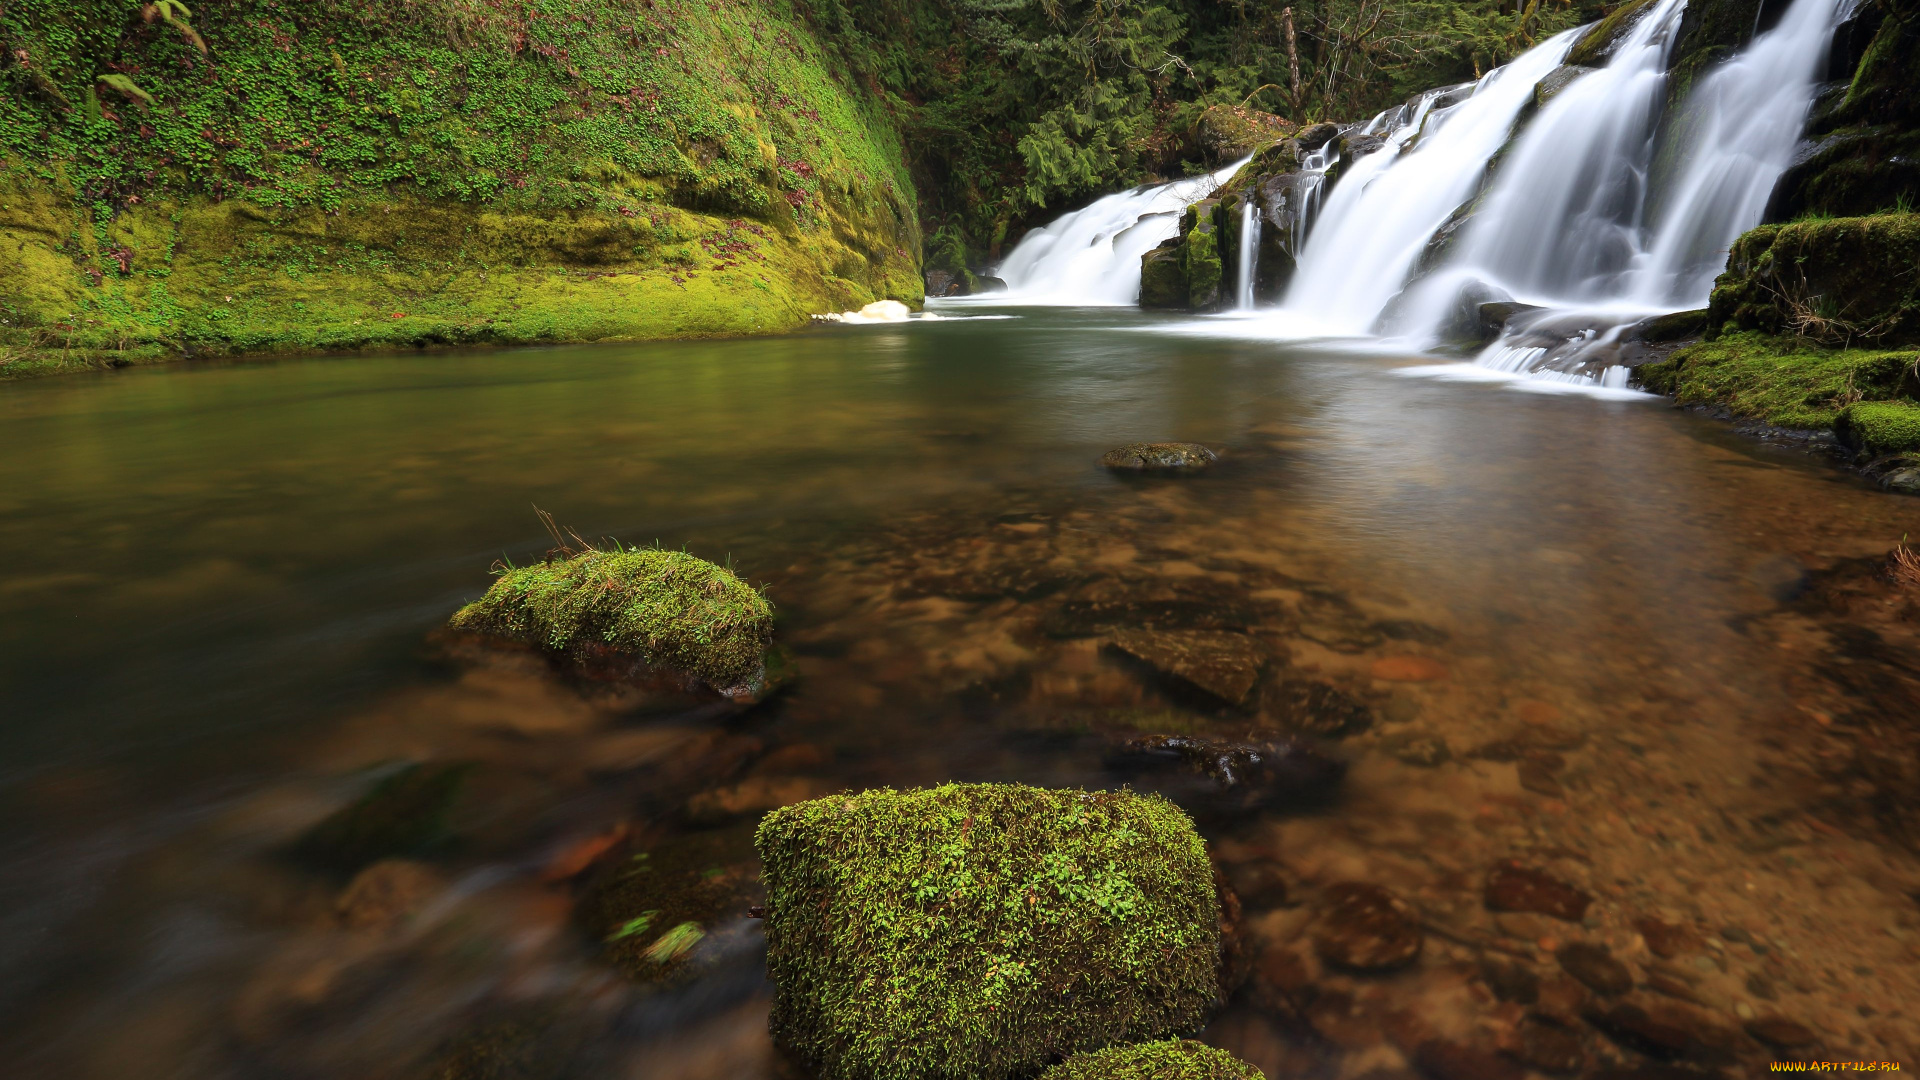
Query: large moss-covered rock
{"points": [[1171, 1059], [1163, 276], [1596, 46], [1226, 133], [1880, 427], [1837, 280], [983, 930], [664, 610], [1200, 232]]}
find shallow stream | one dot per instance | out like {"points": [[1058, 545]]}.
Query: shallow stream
{"points": [[1612, 640]]}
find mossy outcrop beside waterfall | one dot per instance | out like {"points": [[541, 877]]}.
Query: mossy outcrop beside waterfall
{"points": [[270, 177]]}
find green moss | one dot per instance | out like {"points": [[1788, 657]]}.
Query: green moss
{"points": [[1201, 256], [1596, 45], [1163, 277], [983, 930], [1880, 427], [1790, 382], [1836, 280], [668, 607], [1173, 1059], [404, 814]]}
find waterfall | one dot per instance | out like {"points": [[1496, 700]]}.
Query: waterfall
{"points": [[1249, 251], [1091, 257], [1382, 211]]}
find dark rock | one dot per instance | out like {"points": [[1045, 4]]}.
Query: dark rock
{"points": [[386, 892], [1410, 630], [1547, 1047], [1315, 708], [1333, 621], [1236, 956], [1778, 1031], [654, 908], [943, 283], [404, 814], [1282, 983], [1221, 665], [1022, 580], [1455, 1061], [1556, 80], [1494, 316], [1512, 887], [983, 283], [1510, 980], [1761, 987], [1539, 779], [1595, 967], [1225, 779], [1163, 277], [1185, 457], [1335, 1016], [1675, 326], [1317, 136], [1364, 927], [1667, 1034]]}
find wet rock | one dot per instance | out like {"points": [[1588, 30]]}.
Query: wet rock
{"points": [[1110, 605], [1021, 580], [1283, 982], [1236, 953], [1667, 1033], [1226, 779], [1547, 1047], [1425, 751], [1316, 708], [1163, 277], [1364, 927], [1443, 1060], [386, 892], [1782, 1033], [654, 908], [1222, 665], [1409, 630], [1510, 980], [404, 814], [1556, 80], [1334, 1015], [1761, 987], [1408, 669], [1175, 456], [1333, 621], [1512, 887], [1538, 778], [1596, 968], [1668, 940], [1317, 136]]}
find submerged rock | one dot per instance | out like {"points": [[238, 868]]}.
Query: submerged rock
{"points": [[1595, 967], [1173, 1059], [1219, 779], [1316, 708], [1175, 456], [1364, 927], [404, 814], [1512, 887], [974, 929], [1221, 665], [654, 908], [638, 614]]}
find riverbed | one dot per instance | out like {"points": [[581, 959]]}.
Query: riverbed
{"points": [[1607, 639]]}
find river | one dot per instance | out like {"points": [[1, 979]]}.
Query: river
{"points": [[223, 580]]}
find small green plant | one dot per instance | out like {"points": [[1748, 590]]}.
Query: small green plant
{"points": [[174, 14], [634, 926], [675, 943], [126, 86]]}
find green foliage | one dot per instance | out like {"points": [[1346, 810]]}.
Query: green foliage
{"points": [[1790, 382], [1017, 107], [667, 606], [1172, 1059], [982, 930], [1880, 427]]}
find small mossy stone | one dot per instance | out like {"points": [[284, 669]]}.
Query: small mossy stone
{"points": [[666, 607], [1880, 427], [404, 814], [983, 930], [1170, 1059], [1143, 457]]}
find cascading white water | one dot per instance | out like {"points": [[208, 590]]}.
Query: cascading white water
{"points": [[1249, 253], [1383, 210], [1091, 257]]}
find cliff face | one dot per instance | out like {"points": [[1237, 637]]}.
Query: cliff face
{"points": [[272, 176]]}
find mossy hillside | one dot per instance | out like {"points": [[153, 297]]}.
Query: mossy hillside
{"points": [[1171, 1059], [548, 140], [1839, 280], [1880, 427], [1786, 381], [983, 930], [668, 607]]}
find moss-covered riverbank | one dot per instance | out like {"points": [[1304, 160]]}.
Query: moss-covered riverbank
{"points": [[270, 177]]}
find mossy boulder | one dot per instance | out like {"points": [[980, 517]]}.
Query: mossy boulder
{"points": [[1160, 456], [1836, 280], [983, 930], [1226, 133], [1163, 276], [1170, 1059], [643, 613], [1199, 230], [1596, 46], [1880, 427]]}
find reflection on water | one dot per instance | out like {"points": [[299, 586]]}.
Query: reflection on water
{"points": [[1594, 647]]}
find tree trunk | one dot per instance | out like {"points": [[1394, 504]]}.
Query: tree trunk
{"points": [[1293, 61]]}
